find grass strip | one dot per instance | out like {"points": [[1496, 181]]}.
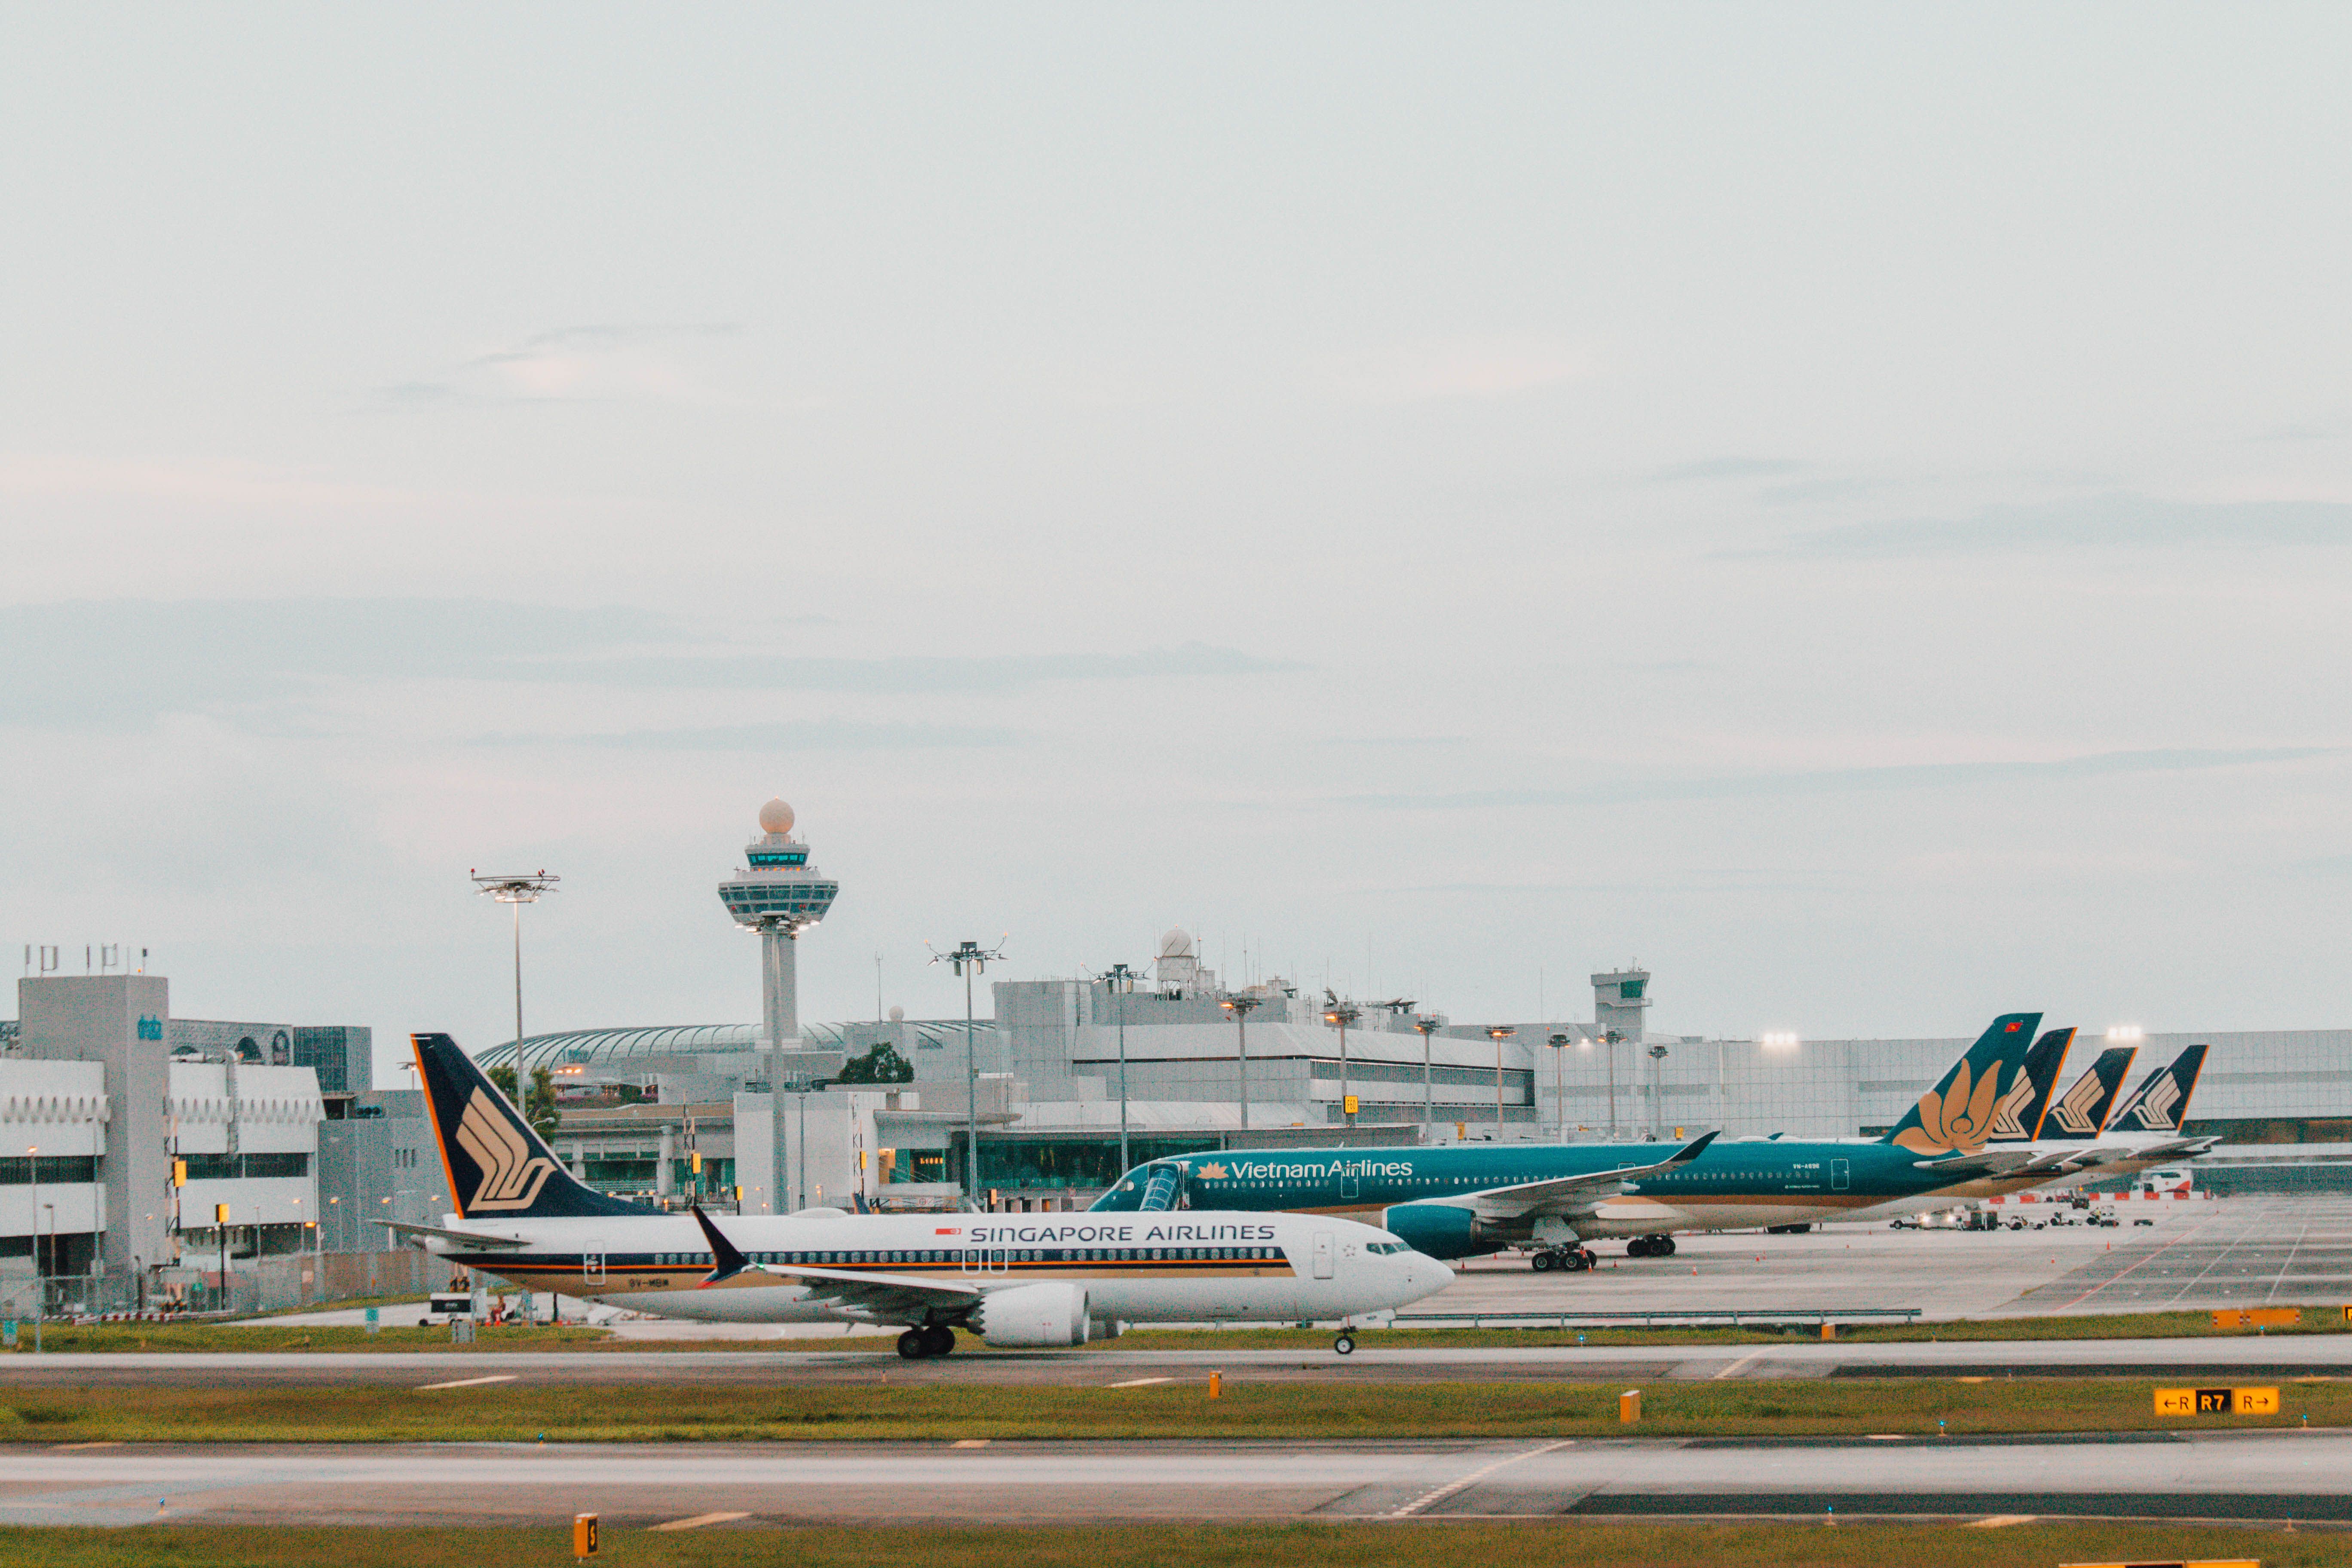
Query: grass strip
{"points": [[1535, 1543], [199, 1338], [879, 1411]]}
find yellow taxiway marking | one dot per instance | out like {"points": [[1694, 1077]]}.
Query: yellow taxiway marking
{"points": [[1998, 1519], [1886, 1436], [968, 1443], [699, 1520], [1138, 1381], [467, 1381], [1970, 1380], [78, 1447]]}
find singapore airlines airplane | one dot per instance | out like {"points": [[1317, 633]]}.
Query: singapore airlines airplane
{"points": [[1013, 1280]]}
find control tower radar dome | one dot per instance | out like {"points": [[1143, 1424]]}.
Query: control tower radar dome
{"points": [[776, 817], [1176, 944]]}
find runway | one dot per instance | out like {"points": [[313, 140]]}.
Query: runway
{"points": [[2237, 1476], [2297, 1355]]}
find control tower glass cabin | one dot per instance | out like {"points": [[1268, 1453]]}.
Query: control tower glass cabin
{"points": [[776, 894]]}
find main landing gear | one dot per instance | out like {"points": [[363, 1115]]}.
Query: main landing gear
{"points": [[1344, 1345], [1574, 1260], [1650, 1246], [932, 1339]]}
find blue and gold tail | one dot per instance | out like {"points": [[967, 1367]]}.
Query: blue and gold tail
{"points": [[2081, 1112], [498, 1167], [2161, 1103], [1957, 1116]]}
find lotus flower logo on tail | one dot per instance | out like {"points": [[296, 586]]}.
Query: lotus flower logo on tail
{"points": [[1958, 1121], [511, 1174]]}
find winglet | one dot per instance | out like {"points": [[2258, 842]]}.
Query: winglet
{"points": [[725, 1254], [1690, 1150]]}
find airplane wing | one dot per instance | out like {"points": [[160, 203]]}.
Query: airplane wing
{"points": [[464, 1238], [1988, 1162], [885, 1298], [1567, 1196]]}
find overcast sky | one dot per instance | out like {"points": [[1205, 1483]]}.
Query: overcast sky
{"points": [[1849, 506]]}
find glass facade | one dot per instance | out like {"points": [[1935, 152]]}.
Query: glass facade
{"points": [[1089, 1162], [62, 1170]]}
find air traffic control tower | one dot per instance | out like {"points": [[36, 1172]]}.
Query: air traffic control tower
{"points": [[777, 894]]}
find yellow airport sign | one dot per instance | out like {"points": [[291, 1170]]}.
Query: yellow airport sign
{"points": [[2258, 1318], [584, 1536], [2217, 1402], [1352, 1106], [180, 1179]]}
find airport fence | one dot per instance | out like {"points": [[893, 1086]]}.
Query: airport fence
{"points": [[253, 1285]]}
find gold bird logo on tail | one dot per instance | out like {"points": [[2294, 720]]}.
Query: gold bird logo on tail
{"points": [[511, 1174], [1958, 1121]]}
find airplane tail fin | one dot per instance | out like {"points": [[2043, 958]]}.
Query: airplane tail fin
{"points": [[2018, 1118], [2160, 1103], [2081, 1112], [1957, 1113], [498, 1167]]}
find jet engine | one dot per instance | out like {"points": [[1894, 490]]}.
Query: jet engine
{"points": [[1026, 1317], [1443, 1230]]}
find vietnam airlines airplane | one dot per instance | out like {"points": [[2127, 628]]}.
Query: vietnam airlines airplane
{"points": [[1013, 1280], [1466, 1199]]}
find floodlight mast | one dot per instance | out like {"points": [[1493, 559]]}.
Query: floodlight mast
{"points": [[515, 889], [1499, 1034], [1426, 1025], [966, 961], [1241, 1007], [1342, 1014], [1121, 980]]}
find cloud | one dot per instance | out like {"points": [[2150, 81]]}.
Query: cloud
{"points": [[122, 663], [602, 362], [1459, 367], [1727, 469], [786, 735], [1006, 672], [1841, 780], [2110, 522]]}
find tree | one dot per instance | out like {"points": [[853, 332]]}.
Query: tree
{"points": [[541, 1110], [881, 1064]]}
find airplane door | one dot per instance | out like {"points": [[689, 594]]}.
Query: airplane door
{"points": [[1322, 1255], [1839, 1172], [1348, 1186], [592, 1267], [999, 1260]]}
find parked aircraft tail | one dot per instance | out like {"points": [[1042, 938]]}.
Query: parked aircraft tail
{"points": [[1957, 1115], [2082, 1111], [2018, 1118], [2161, 1103], [498, 1167]]}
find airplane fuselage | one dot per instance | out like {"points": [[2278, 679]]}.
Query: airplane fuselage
{"points": [[1137, 1268]]}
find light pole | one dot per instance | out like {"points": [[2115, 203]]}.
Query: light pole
{"points": [[41, 1281], [1425, 1026], [1342, 1014], [41, 1284], [515, 889], [1657, 1092], [1559, 1044], [1499, 1034], [1241, 1008], [1121, 980], [969, 960], [1611, 1040]]}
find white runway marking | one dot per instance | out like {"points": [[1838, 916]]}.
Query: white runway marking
{"points": [[467, 1383], [1473, 1479], [1138, 1381], [699, 1520]]}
